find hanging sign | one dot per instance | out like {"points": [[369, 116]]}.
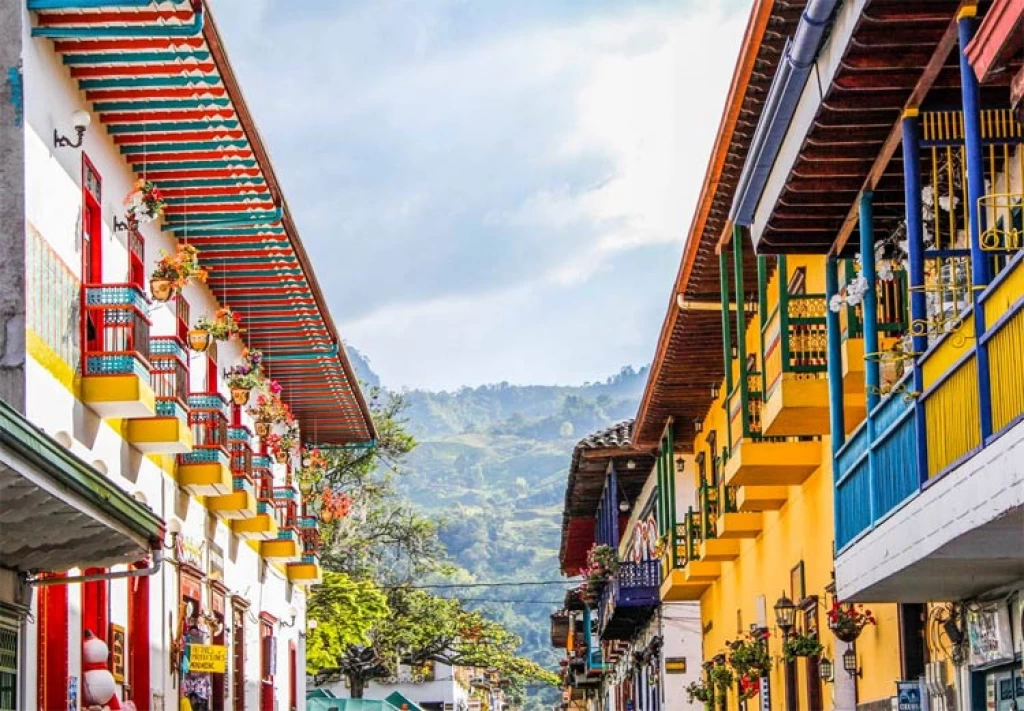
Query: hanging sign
{"points": [[675, 665], [989, 634], [207, 658], [117, 652], [766, 694]]}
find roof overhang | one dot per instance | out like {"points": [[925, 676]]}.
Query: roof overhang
{"points": [[57, 512], [160, 81], [881, 58], [688, 358]]}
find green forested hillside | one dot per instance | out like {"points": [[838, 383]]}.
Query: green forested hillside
{"points": [[491, 464]]}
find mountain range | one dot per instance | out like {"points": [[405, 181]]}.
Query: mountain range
{"points": [[491, 466]]}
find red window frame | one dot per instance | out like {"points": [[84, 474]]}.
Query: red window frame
{"points": [[52, 646], [218, 698], [266, 662], [92, 250], [212, 382], [238, 656], [138, 640]]}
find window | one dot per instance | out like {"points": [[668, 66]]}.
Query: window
{"points": [[92, 249], [212, 383], [52, 646], [8, 664], [181, 318], [268, 662], [136, 268], [218, 698]]}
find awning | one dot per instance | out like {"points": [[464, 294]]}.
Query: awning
{"points": [[57, 512]]}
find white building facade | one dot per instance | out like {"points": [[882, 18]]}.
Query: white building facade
{"points": [[104, 369]]}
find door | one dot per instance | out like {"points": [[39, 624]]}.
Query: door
{"points": [[92, 252]]}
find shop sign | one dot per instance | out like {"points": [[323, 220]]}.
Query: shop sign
{"points": [[191, 551], [117, 653], [908, 696], [989, 634], [207, 658], [675, 665]]}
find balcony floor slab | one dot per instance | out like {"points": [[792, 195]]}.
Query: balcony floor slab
{"points": [[758, 463]]}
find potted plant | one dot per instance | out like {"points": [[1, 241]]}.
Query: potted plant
{"points": [[145, 203], [750, 686], [174, 271], [847, 620], [243, 377], [268, 409], [722, 677], [749, 656], [801, 645], [199, 338], [225, 324], [283, 445], [602, 565]]}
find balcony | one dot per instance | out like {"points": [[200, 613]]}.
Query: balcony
{"points": [[286, 547], [206, 470], [795, 346], [239, 504], [307, 571], [168, 432], [629, 599], [684, 574], [757, 460], [115, 357], [923, 501], [261, 527]]}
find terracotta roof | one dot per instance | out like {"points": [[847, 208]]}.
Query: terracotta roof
{"points": [[590, 459]]}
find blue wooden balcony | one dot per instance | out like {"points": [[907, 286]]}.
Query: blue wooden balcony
{"points": [[937, 466], [629, 599]]}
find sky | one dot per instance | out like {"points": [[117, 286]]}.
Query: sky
{"points": [[490, 190]]}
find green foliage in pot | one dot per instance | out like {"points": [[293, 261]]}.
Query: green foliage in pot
{"points": [[801, 645]]}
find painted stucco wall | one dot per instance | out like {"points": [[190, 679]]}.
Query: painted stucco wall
{"points": [[53, 205]]}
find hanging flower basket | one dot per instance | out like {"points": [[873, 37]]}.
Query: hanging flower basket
{"points": [[199, 339], [161, 288], [801, 645], [243, 377], [847, 620], [145, 203], [262, 428], [281, 456], [174, 271], [224, 325]]}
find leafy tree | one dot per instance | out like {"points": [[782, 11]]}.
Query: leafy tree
{"points": [[420, 627], [345, 611]]}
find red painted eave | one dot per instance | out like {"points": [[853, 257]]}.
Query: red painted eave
{"points": [[995, 37]]}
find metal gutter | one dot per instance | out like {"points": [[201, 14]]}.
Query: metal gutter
{"points": [[780, 104], [152, 569]]}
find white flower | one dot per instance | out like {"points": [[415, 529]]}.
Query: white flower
{"points": [[885, 270], [836, 303], [928, 195], [947, 203]]}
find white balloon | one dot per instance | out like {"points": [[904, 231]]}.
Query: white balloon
{"points": [[99, 686], [95, 651]]}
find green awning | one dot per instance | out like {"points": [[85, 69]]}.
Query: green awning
{"points": [[400, 701], [57, 512]]}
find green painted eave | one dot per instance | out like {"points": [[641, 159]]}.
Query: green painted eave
{"points": [[70, 472]]}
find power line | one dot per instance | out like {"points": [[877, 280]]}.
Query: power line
{"points": [[484, 585], [524, 602]]}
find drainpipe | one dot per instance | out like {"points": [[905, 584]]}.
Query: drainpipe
{"points": [[971, 96], [152, 569], [780, 105], [190, 30]]}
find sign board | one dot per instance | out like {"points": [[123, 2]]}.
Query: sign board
{"points": [[192, 551], [117, 653], [207, 658], [675, 665], [989, 633], [908, 696]]}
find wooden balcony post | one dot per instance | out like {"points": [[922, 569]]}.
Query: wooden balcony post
{"points": [[870, 303], [837, 424], [741, 335]]}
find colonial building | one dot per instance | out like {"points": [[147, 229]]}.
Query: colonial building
{"points": [[839, 372], [169, 367], [625, 648]]}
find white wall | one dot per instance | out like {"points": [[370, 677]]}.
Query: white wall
{"points": [[681, 632], [444, 689], [53, 206]]}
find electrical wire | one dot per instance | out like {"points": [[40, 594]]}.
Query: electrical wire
{"points": [[510, 584]]}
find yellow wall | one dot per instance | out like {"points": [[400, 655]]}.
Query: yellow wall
{"points": [[801, 531]]}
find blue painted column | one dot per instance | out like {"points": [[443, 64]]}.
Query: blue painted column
{"points": [[870, 305], [966, 25], [911, 133], [836, 419]]}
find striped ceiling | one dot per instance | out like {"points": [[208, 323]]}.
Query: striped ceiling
{"points": [[159, 81]]}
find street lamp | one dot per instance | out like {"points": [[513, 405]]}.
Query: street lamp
{"points": [[80, 121], [698, 424], [825, 670], [785, 614], [850, 662]]}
